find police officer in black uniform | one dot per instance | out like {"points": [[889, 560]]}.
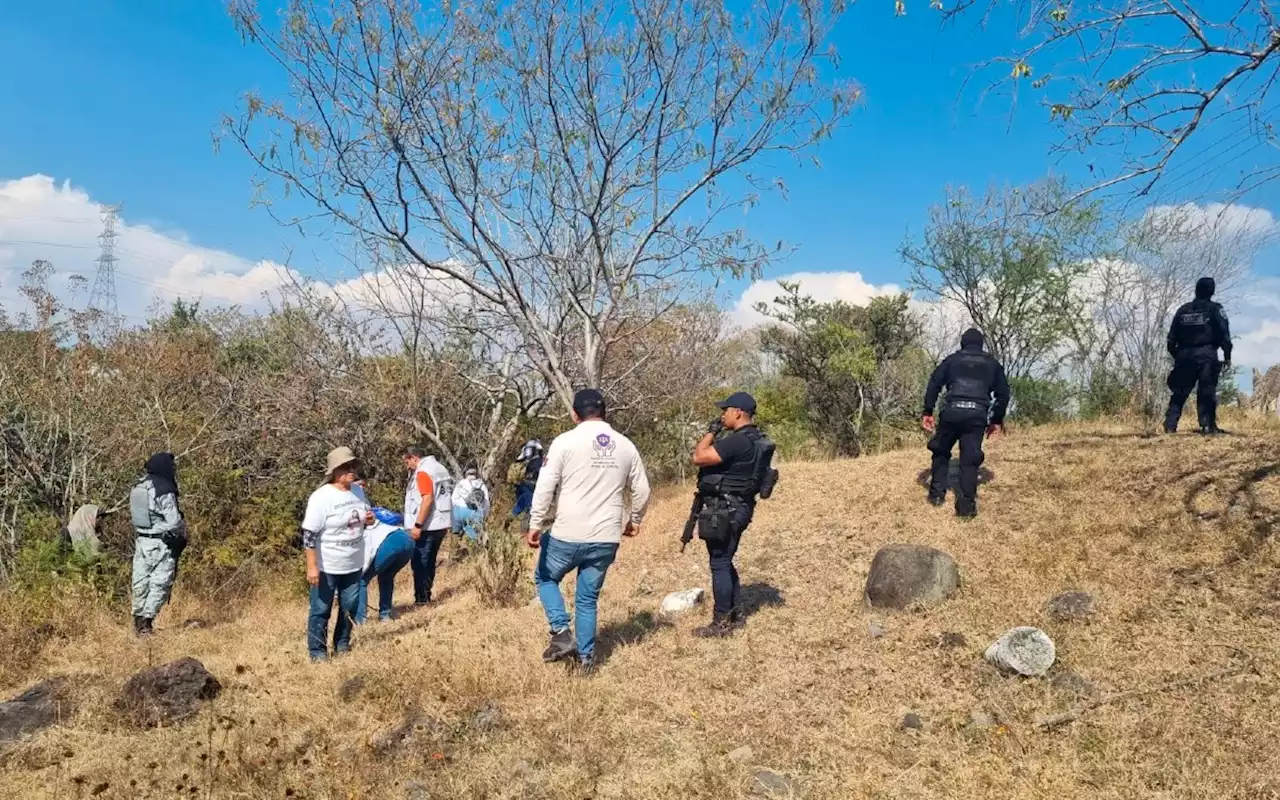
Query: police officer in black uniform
{"points": [[972, 378], [734, 460], [1198, 329]]}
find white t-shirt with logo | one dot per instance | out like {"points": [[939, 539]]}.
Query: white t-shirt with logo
{"points": [[336, 516]]}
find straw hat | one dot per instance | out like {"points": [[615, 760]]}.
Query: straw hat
{"points": [[338, 457]]}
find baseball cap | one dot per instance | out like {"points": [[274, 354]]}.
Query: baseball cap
{"points": [[741, 401], [588, 402]]}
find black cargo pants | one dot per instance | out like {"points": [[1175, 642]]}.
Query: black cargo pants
{"points": [[967, 426], [1198, 369]]}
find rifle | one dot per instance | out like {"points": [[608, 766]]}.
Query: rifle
{"points": [[692, 521]]}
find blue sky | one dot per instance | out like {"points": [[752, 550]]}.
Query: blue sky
{"points": [[121, 99]]}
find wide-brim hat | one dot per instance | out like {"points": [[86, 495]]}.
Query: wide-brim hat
{"points": [[338, 457]]}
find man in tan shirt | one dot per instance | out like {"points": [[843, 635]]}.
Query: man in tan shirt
{"points": [[592, 468]]}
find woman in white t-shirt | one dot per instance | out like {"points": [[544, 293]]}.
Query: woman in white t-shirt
{"points": [[333, 539]]}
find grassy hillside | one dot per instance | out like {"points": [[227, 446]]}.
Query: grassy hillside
{"points": [[1173, 537]]}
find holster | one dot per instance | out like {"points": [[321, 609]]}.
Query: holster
{"points": [[721, 517]]}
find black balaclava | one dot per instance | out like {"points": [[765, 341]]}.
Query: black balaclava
{"points": [[1205, 287], [163, 473], [971, 339]]}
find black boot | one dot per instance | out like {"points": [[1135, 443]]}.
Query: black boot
{"points": [[561, 647], [142, 626], [967, 510], [720, 627], [936, 499]]}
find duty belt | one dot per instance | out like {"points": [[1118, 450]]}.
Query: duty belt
{"points": [[968, 404]]}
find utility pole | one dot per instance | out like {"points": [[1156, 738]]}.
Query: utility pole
{"points": [[103, 296]]}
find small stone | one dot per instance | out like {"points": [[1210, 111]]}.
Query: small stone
{"points": [[876, 630], [771, 784], [981, 720], [415, 790], [680, 602], [1024, 650], [741, 755], [1069, 607], [487, 719], [950, 640], [1071, 684], [912, 722]]}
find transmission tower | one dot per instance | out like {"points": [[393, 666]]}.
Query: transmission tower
{"points": [[103, 297]]}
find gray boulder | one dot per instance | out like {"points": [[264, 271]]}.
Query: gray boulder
{"points": [[168, 693], [1026, 651], [910, 576], [1070, 606], [35, 709]]}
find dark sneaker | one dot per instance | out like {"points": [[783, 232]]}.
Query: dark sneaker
{"points": [[142, 626], [719, 628], [561, 646], [1210, 430], [936, 500], [966, 512], [588, 666]]}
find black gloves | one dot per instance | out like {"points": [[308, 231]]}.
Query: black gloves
{"points": [[715, 428]]}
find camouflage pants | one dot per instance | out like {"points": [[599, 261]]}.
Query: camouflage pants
{"points": [[154, 569]]}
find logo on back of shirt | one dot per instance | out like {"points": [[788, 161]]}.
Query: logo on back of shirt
{"points": [[604, 444]]}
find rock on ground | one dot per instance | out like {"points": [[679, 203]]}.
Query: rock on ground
{"points": [[1070, 606], [168, 693], [487, 719], [910, 576], [771, 784], [742, 754], [1026, 651], [679, 602], [912, 722], [35, 709], [980, 719]]}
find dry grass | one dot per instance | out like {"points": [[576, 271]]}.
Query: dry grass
{"points": [[1183, 567]]}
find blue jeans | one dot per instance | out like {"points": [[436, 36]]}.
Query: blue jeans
{"points": [[592, 561], [524, 499], [392, 556], [347, 588], [467, 520]]}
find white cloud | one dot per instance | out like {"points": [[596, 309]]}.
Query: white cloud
{"points": [[42, 219], [1255, 325], [850, 287]]}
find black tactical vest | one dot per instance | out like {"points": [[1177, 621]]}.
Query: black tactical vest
{"points": [[1193, 327], [745, 478], [972, 379]]}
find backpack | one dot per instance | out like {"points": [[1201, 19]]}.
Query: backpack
{"points": [[475, 500], [515, 473]]}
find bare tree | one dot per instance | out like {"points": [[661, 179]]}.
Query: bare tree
{"points": [[567, 165], [1167, 92], [1133, 296]]}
